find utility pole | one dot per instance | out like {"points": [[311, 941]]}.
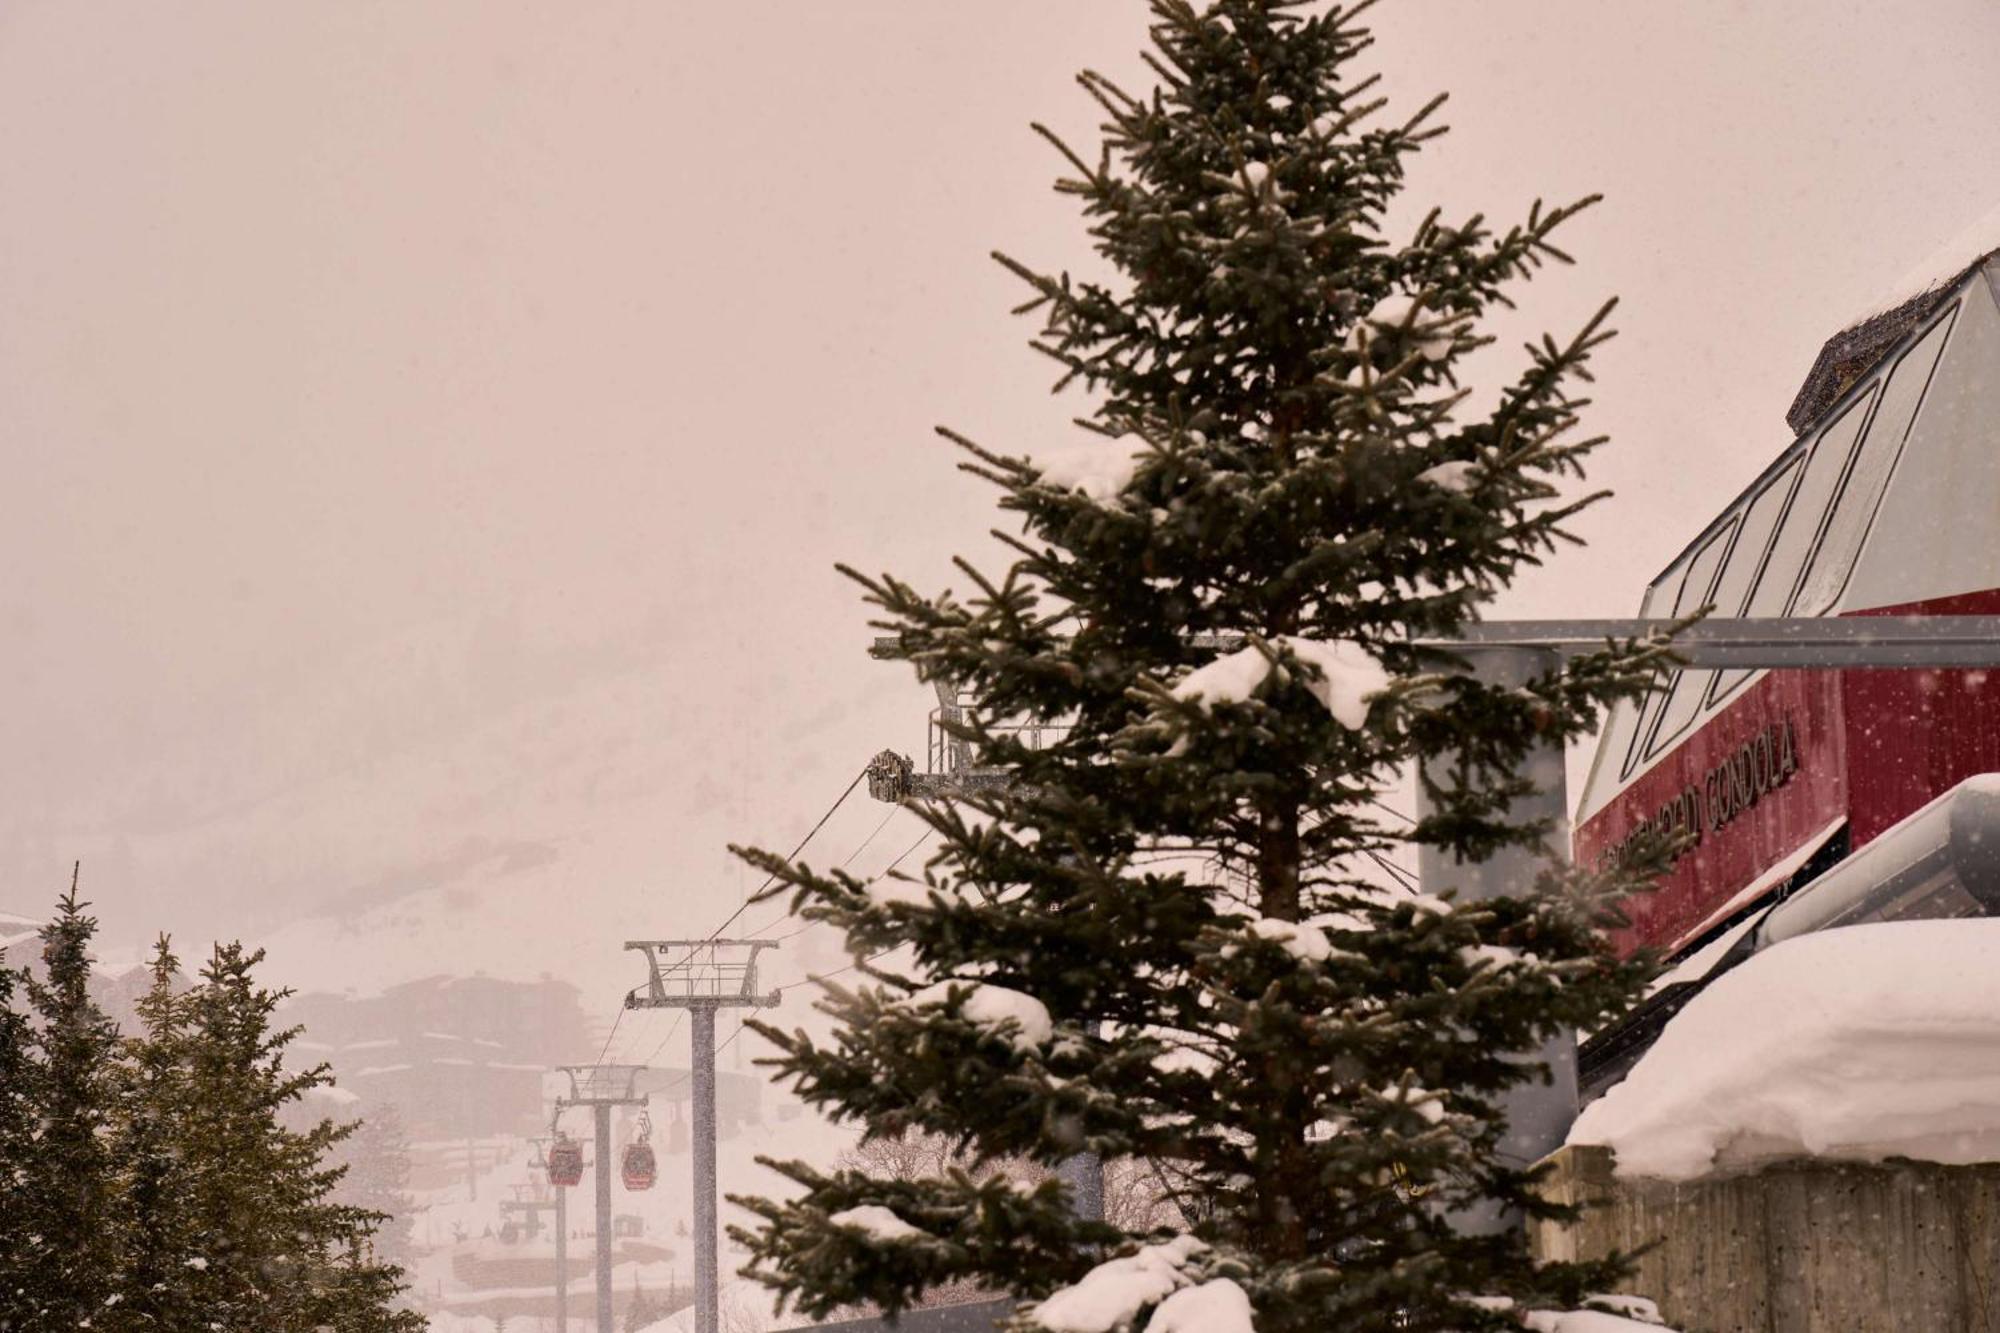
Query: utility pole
{"points": [[601, 1087], [707, 976]]}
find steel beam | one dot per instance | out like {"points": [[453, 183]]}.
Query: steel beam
{"points": [[602, 1117], [707, 1275], [1826, 643]]}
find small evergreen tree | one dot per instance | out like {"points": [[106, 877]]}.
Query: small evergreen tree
{"points": [[278, 1252], [375, 1178], [68, 1249], [1162, 943]]}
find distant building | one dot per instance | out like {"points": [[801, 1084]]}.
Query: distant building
{"points": [[461, 1057]]}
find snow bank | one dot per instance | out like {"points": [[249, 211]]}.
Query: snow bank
{"points": [[1349, 676], [1097, 467], [743, 1307], [1859, 1043], [1021, 1019], [1594, 1321], [1213, 1307], [877, 1221], [1112, 1293]]}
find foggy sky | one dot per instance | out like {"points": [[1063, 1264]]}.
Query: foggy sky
{"points": [[404, 407]]}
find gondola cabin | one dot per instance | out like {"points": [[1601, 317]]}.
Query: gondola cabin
{"points": [[639, 1169], [1886, 501], [565, 1162]]}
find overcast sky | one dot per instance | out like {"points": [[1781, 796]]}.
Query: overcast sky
{"points": [[426, 429]]}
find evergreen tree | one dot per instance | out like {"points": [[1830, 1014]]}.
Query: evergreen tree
{"points": [[67, 1251], [160, 1279], [277, 1253], [1163, 943], [375, 1177], [16, 1145]]}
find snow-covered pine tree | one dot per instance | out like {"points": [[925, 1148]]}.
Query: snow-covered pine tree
{"points": [[68, 1250], [277, 1253], [1164, 941]]}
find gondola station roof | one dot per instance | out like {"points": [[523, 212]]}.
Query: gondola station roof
{"points": [[1850, 353]]}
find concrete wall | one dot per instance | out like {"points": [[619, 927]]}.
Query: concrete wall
{"points": [[1798, 1247]]}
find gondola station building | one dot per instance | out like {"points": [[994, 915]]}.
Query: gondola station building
{"points": [[1806, 1112]]}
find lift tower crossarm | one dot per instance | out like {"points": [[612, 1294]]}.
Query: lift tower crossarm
{"points": [[702, 973]]}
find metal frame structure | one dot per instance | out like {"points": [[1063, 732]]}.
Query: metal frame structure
{"points": [[600, 1087], [1807, 642], [524, 1201], [1514, 652], [709, 975]]}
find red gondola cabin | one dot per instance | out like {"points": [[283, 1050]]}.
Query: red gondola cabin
{"points": [[565, 1162]]}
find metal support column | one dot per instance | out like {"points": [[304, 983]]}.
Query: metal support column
{"points": [[601, 1087], [708, 975], [1084, 1174], [562, 1260], [603, 1164], [706, 1275], [1538, 1114]]}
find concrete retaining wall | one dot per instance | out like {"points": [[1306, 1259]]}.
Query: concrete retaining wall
{"points": [[1797, 1247]]}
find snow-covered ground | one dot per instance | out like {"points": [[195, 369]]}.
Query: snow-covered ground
{"points": [[665, 1212], [1861, 1043]]}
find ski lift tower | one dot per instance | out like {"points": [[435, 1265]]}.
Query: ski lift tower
{"points": [[601, 1087], [706, 975], [951, 770]]}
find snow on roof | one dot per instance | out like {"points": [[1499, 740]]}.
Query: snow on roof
{"points": [[1864, 340], [1859, 1043], [1940, 268]]}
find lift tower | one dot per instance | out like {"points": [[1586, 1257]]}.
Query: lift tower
{"points": [[601, 1087], [706, 976], [529, 1200]]}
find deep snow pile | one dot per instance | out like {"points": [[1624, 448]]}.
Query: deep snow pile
{"points": [[1860, 1043]]}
